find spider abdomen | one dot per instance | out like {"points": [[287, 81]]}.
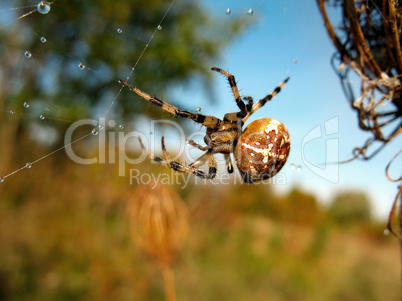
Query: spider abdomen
{"points": [[262, 149]]}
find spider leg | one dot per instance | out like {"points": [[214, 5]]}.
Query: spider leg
{"points": [[231, 117], [235, 91], [177, 166], [205, 120], [250, 102], [211, 164], [264, 100], [195, 144], [152, 157], [191, 169], [234, 117], [200, 161], [229, 164]]}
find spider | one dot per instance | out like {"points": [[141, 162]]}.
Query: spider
{"points": [[260, 151]]}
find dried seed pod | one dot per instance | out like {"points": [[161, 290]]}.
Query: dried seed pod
{"points": [[158, 221]]}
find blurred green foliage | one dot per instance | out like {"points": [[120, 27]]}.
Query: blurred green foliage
{"points": [[86, 32], [349, 208]]}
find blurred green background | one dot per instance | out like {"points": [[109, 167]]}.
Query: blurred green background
{"points": [[64, 232], [65, 235]]}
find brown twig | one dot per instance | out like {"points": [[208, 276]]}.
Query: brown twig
{"points": [[394, 32], [361, 33], [360, 41]]}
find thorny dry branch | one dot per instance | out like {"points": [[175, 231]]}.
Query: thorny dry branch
{"points": [[368, 47]]}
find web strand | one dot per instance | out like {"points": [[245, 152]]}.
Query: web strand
{"points": [[140, 57], [29, 164]]}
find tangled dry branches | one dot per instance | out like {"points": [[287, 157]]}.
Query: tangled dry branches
{"points": [[367, 40]]}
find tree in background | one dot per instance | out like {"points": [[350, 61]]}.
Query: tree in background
{"points": [[368, 50], [349, 208]]}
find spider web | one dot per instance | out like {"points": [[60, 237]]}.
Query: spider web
{"points": [[44, 111], [10, 21]]}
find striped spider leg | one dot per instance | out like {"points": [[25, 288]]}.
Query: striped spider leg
{"points": [[260, 150]]}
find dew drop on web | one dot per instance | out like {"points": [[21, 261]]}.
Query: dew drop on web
{"points": [[43, 39], [25, 105], [1, 180], [27, 54], [43, 7], [81, 66], [28, 165], [119, 30], [250, 12], [11, 112], [198, 109], [111, 123], [228, 11], [41, 117], [159, 27], [95, 132], [121, 126]]}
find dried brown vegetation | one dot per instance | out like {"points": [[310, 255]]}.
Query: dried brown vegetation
{"points": [[368, 48]]}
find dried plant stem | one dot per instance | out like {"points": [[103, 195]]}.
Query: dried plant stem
{"points": [[394, 31], [330, 30], [169, 282], [358, 35]]}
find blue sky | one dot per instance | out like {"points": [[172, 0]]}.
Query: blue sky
{"points": [[261, 58]]}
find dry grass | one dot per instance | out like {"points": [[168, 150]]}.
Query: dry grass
{"points": [[64, 236]]}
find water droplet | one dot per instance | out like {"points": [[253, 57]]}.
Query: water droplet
{"points": [[294, 61], [198, 109], [81, 66], [43, 7], [292, 166], [43, 39], [121, 126], [47, 109], [250, 12], [27, 54], [42, 117], [28, 165], [11, 112], [1, 180], [299, 168], [95, 132], [26, 105], [101, 127], [159, 27], [387, 232], [119, 30], [228, 11]]}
